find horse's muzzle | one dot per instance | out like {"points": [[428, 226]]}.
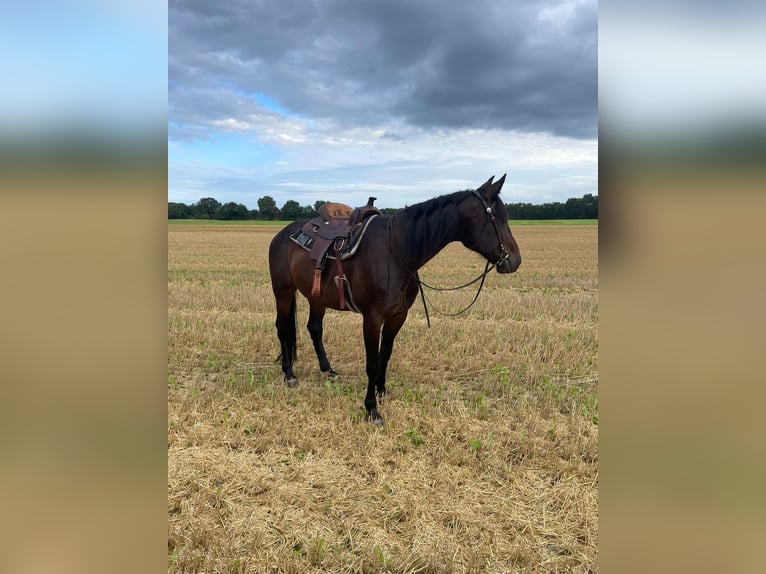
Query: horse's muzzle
{"points": [[509, 264]]}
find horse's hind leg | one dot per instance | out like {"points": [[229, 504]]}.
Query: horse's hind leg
{"points": [[287, 335], [316, 316]]}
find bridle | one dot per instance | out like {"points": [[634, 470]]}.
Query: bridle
{"points": [[504, 255]]}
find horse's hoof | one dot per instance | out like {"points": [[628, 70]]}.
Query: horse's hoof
{"points": [[292, 382], [375, 419], [330, 375]]}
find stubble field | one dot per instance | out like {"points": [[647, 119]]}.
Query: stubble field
{"points": [[488, 461]]}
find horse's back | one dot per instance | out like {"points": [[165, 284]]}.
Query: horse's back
{"points": [[281, 242]]}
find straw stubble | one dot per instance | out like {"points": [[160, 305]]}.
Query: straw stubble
{"points": [[488, 459]]}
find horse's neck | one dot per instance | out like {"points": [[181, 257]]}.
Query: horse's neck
{"points": [[420, 238]]}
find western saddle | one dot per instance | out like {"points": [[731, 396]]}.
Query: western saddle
{"points": [[338, 228]]}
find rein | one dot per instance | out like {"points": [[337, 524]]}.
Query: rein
{"points": [[488, 267], [422, 284]]}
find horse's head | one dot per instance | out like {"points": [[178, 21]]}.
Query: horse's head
{"points": [[484, 219]]}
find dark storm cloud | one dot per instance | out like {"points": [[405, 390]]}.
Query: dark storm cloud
{"points": [[530, 66]]}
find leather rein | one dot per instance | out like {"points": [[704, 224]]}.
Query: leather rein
{"points": [[504, 255]]}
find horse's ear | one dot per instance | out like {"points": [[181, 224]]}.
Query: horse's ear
{"points": [[490, 191], [485, 186]]}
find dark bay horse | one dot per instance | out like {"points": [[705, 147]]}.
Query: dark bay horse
{"points": [[383, 273]]}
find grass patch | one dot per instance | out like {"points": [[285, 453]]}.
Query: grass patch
{"points": [[516, 222], [225, 223]]}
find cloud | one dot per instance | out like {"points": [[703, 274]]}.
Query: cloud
{"points": [[525, 66], [331, 99], [320, 160]]}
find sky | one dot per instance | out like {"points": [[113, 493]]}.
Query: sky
{"points": [[336, 100]]}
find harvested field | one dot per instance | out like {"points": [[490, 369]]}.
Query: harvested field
{"points": [[488, 461]]}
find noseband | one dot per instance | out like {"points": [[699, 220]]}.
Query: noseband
{"points": [[504, 255]]}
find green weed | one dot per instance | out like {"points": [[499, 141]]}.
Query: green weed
{"points": [[414, 437], [379, 557]]}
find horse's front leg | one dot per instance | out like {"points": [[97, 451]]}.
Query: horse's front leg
{"points": [[390, 329], [371, 328]]}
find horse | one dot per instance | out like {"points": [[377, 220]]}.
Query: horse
{"points": [[383, 274]]}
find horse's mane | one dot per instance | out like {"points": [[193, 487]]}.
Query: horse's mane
{"points": [[426, 208], [426, 230]]}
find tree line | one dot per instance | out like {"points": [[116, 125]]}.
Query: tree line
{"points": [[585, 207]]}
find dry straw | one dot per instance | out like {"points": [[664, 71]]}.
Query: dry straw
{"points": [[488, 459]]}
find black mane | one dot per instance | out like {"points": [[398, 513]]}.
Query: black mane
{"points": [[431, 222], [426, 208]]}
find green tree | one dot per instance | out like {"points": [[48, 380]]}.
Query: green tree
{"points": [[573, 208], [179, 211], [291, 210], [590, 206], [232, 210], [267, 207], [317, 205], [307, 212], [206, 207]]}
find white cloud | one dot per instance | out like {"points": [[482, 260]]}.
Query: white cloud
{"points": [[321, 160], [405, 101]]}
